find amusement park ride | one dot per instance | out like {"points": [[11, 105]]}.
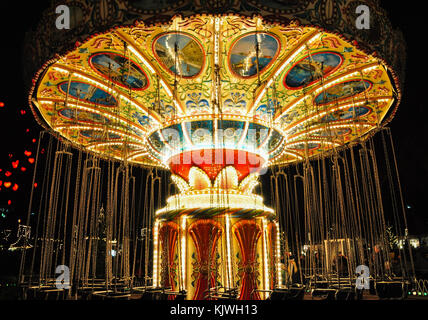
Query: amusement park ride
{"points": [[217, 93]]}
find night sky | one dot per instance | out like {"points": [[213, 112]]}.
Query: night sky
{"points": [[408, 126]]}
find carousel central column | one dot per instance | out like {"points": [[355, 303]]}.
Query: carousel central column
{"points": [[214, 234]]}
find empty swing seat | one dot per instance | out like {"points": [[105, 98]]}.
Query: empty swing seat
{"points": [[390, 290], [287, 294]]}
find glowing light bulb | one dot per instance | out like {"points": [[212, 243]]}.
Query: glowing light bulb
{"points": [[15, 164]]}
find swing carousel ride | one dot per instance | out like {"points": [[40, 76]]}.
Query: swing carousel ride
{"points": [[197, 105]]}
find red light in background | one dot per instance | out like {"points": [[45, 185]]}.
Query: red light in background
{"points": [[35, 185], [31, 160], [15, 187], [10, 155], [34, 140], [27, 153], [43, 151], [1, 104], [8, 174], [23, 112], [28, 130], [7, 184], [23, 169], [15, 164], [1, 182], [9, 202]]}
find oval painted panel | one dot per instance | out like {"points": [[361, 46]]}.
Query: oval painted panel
{"points": [[346, 114], [174, 136], [179, 53], [243, 54], [97, 135], [88, 93], [274, 141], [256, 135], [120, 70], [342, 91], [229, 132], [200, 132], [156, 141], [311, 69], [83, 116]]}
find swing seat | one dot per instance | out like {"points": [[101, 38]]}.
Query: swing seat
{"points": [[110, 295], [393, 290], [287, 294], [345, 294], [324, 294]]}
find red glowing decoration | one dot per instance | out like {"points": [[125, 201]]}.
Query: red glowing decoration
{"points": [[31, 160], [27, 153], [23, 169], [1, 104], [34, 140], [15, 187], [28, 130], [7, 184], [8, 173], [35, 185], [15, 164]]}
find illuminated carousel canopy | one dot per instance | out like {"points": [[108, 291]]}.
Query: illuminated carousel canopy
{"points": [[279, 92]]}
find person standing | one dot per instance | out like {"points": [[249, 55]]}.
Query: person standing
{"points": [[292, 270]]}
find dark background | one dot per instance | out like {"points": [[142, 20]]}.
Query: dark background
{"points": [[408, 126]]}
